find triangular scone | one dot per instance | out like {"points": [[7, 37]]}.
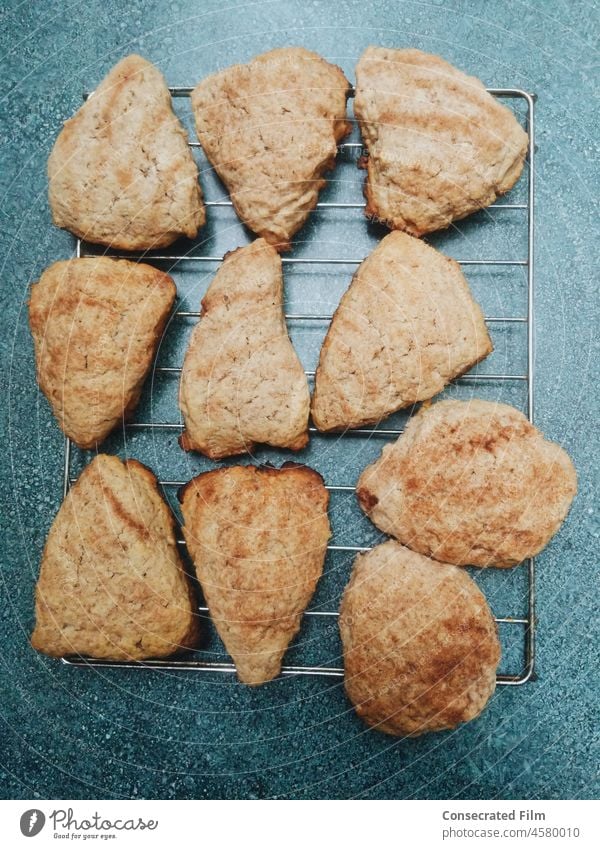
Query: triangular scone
{"points": [[440, 147], [471, 483], [271, 129], [406, 327], [96, 324], [121, 172], [242, 382], [111, 583], [258, 538]]}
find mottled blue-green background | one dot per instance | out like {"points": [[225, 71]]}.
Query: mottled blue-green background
{"points": [[118, 733]]}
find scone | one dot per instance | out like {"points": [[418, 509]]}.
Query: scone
{"points": [[121, 172], [242, 382], [111, 583], [258, 538], [470, 483], [420, 643], [440, 147], [96, 324], [271, 130], [405, 328]]}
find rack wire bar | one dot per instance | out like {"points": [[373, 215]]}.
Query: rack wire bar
{"points": [[311, 374], [328, 318], [526, 622], [208, 666], [174, 259], [357, 205], [185, 91]]}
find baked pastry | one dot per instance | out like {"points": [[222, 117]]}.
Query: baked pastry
{"points": [[111, 583], [96, 324], [470, 483], [440, 147], [242, 382], [258, 538], [121, 172], [420, 643], [271, 130], [405, 328]]}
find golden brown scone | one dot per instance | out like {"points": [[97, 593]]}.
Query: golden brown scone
{"points": [[96, 324], [258, 538], [271, 130], [470, 483], [420, 643], [121, 172], [111, 583], [242, 382], [405, 328], [440, 147]]}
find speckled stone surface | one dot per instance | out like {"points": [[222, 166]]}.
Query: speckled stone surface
{"points": [[119, 733]]}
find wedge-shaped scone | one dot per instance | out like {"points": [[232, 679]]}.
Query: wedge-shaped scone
{"points": [[111, 583], [440, 147], [271, 129], [242, 382], [406, 327], [96, 324], [258, 538], [470, 483], [121, 172], [420, 644]]}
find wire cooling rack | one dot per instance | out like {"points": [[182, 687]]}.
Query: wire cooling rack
{"points": [[527, 622]]}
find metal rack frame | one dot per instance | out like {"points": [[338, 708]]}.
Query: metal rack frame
{"points": [[527, 622]]}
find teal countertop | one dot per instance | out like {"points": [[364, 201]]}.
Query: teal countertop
{"points": [[73, 733]]}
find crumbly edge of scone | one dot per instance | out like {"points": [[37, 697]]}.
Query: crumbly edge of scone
{"points": [[396, 222], [342, 129], [188, 444], [304, 472]]}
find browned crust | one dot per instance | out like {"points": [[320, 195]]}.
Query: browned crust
{"points": [[408, 218], [472, 483], [160, 327], [289, 467], [420, 644], [372, 213], [375, 421], [191, 638], [186, 444], [327, 345], [371, 210], [341, 127], [342, 130], [38, 325], [366, 499], [121, 77], [258, 536], [226, 305]]}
